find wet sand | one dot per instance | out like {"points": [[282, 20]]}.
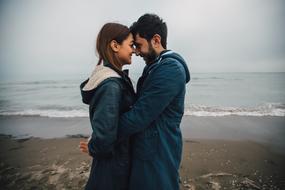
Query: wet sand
{"points": [[266, 129]]}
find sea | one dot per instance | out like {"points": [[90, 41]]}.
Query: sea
{"points": [[207, 94]]}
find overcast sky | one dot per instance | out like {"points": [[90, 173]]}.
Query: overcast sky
{"points": [[56, 37]]}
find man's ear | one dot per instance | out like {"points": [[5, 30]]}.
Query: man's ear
{"points": [[114, 45], [156, 40]]}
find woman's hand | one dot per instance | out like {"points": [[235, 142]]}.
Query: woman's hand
{"points": [[84, 147]]}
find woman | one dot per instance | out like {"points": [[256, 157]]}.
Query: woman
{"points": [[109, 92]]}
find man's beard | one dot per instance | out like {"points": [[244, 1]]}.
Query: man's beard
{"points": [[150, 56]]}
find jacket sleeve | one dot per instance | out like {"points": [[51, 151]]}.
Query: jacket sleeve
{"points": [[104, 121], [164, 84]]}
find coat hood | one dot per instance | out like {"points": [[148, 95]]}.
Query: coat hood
{"points": [[171, 54], [89, 86]]}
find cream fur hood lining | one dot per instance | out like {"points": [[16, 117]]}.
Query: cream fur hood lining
{"points": [[99, 74]]}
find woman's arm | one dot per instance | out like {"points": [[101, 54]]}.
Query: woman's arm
{"points": [[104, 121]]}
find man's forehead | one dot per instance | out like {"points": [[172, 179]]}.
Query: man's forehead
{"points": [[139, 39]]}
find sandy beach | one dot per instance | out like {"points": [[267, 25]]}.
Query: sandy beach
{"points": [[218, 153]]}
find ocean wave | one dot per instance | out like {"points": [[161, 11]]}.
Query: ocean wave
{"points": [[48, 113], [204, 78], [269, 109]]}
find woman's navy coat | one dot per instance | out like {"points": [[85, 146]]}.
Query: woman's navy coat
{"points": [[111, 159]]}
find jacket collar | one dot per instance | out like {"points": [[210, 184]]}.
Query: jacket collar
{"points": [[156, 61]]}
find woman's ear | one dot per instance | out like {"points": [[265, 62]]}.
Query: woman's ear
{"points": [[114, 45]]}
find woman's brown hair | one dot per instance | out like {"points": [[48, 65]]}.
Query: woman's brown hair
{"points": [[109, 32]]}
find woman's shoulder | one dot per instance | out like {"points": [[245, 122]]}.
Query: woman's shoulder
{"points": [[112, 82]]}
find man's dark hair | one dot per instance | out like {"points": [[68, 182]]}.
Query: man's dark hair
{"points": [[148, 25]]}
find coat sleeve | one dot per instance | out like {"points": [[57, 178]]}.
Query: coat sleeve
{"points": [[164, 84], [104, 120]]}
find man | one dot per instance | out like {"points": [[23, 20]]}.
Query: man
{"points": [[154, 120]]}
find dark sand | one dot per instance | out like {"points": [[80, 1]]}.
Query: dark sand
{"points": [[218, 153]]}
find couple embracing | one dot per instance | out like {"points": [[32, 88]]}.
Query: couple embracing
{"points": [[136, 141]]}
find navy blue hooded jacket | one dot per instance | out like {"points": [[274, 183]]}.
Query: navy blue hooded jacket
{"points": [[154, 124]]}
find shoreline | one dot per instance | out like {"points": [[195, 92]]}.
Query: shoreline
{"points": [[267, 130]]}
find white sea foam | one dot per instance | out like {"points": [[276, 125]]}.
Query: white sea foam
{"points": [[48, 113], [269, 109]]}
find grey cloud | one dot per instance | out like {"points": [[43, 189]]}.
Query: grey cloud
{"points": [[221, 36]]}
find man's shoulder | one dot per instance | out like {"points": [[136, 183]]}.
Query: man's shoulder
{"points": [[172, 57], [170, 61], [172, 64]]}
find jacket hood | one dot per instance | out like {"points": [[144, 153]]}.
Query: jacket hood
{"points": [[89, 86], [171, 54]]}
